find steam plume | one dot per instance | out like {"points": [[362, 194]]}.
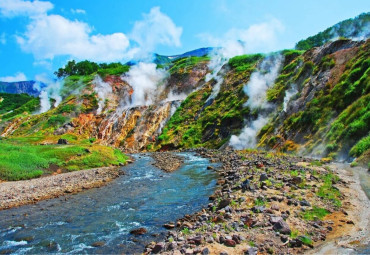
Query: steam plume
{"points": [[103, 89], [146, 81], [288, 95], [256, 89], [51, 91]]}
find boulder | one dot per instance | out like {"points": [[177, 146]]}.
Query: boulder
{"points": [[139, 231], [62, 141]]}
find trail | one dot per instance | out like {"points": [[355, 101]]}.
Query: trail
{"points": [[357, 239]]}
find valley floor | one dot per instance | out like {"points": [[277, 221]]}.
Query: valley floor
{"points": [[274, 204]]}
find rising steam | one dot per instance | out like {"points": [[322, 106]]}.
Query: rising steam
{"points": [[256, 90], [48, 92], [288, 96], [102, 89], [146, 81]]}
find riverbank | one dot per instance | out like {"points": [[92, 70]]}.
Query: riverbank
{"points": [[270, 204], [19, 193], [354, 237]]}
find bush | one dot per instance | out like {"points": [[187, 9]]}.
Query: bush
{"points": [[360, 147]]}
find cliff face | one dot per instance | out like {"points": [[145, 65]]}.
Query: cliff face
{"points": [[317, 103], [27, 87]]}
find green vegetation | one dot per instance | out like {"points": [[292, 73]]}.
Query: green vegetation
{"points": [[187, 63], [86, 67], [20, 159], [244, 62], [306, 240], [315, 212], [360, 147], [294, 234], [12, 105], [328, 192], [347, 28]]}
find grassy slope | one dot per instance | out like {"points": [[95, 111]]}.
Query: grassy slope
{"points": [[21, 158], [350, 28]]}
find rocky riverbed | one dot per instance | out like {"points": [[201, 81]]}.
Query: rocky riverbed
{"points": [[18, 193], [167, 161], [266, 204]]}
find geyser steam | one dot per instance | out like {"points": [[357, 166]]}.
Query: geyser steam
{"points": [[103, 89], [51, 91], [146, 81], [256, 90]]}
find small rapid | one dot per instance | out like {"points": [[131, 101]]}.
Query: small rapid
{"points": [[100, 220]]}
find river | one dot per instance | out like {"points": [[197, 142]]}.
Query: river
{"points": [[144, 197]]}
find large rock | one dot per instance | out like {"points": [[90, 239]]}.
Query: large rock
{"points": [[281, 226], [139, 231], [62, 141]]}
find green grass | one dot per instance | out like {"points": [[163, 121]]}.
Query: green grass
{"points": [[315, 212], [328, 192], [20, 160], [294, 233]]}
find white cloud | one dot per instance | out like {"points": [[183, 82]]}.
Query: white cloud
{"points": [[48, 36], [17, 77], [155, 28], [260, 37], [78, 11], [13, 8], [3, 38]]}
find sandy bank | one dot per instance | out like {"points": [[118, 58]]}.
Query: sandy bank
{"points": [[18, 193]]}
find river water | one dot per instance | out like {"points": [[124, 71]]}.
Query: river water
{"points": [[144, 197]]}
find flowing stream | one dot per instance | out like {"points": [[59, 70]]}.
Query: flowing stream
{"points": [[144, 197]]}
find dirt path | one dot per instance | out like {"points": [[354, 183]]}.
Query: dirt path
{"points": [[355, 238], [18, 193]]}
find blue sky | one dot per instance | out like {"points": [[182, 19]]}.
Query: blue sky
{"points": [[37, 37]]}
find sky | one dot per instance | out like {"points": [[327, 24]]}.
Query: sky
{"points": [[38, 37]]}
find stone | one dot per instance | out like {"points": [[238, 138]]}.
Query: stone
{"points": [[98, 244], [169, 226], [304, 203], [263, 177], [230, 243], [205, 251], [223, 203], [158, 247], [139, 231], [252, 251], [62, 141], [296, 180], [282, 227], [189, 252]]}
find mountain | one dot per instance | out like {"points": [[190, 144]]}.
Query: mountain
{"points": [[27, 87], [357, 28], [309, 102], [161, 60]]}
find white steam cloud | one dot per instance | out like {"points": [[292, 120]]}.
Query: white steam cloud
{"points": [[103, 89], [146, 81], [260, 82], [288, 95], [256, 89], [260, 37], [51, 91]]}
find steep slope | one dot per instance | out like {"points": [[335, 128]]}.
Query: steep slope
{"points": [[356, 28], [311, 102]]}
